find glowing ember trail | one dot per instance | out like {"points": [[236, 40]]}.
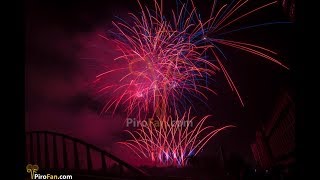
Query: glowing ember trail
{"points": [[169, 63]]}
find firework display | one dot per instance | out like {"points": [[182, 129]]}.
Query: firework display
{"points": [[173, 141], [170, 58]]}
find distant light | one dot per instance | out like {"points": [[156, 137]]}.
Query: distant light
{"points": [[267, 171], [255, 170]]}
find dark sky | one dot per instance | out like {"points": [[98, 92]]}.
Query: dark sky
{"points": [[64, 53]]}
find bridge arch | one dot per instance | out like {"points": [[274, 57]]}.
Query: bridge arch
{"points": [[38, 152]]}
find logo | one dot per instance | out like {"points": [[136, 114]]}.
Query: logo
{"points": [[32, 169], [151, 122]]}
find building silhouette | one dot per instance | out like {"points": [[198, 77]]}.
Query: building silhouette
{"points": [[274, 145]]}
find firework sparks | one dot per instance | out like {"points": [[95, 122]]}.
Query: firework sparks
{"points": [[168, 61], [171, 142]]}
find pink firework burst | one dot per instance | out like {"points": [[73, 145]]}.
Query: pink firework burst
{"points": [[168, 60], [168, 63]]}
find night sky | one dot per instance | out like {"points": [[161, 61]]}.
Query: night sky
{"points": [[64, 54]]}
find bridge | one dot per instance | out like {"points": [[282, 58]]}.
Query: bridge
{"points": [[57, 153]]}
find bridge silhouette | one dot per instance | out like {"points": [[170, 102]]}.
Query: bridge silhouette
{"points": [[42, 148]]}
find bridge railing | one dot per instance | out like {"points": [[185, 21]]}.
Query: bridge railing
{"points": [[42, 156]]}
